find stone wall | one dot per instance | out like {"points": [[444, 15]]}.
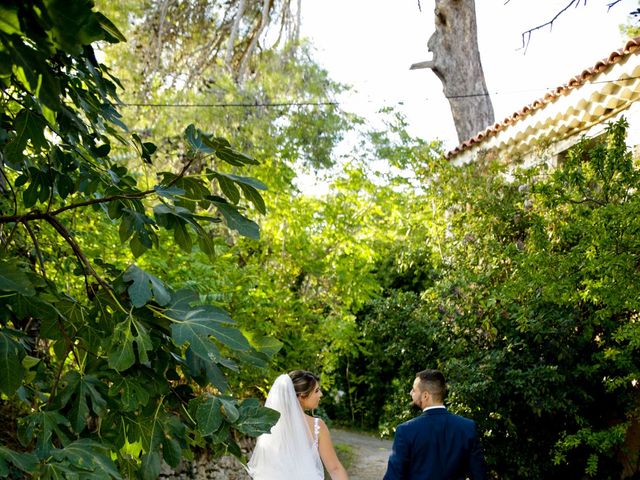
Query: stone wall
{"points": [[207, 468]]}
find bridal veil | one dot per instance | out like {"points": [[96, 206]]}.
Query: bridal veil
{"points": [[287, 452]]}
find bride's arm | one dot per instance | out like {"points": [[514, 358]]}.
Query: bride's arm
{"points": [[328, 455]]}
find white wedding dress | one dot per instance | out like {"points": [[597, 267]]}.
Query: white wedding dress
{"points": [[290, 450]]}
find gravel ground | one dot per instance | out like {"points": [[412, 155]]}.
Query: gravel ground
{"points": [[371, 454]]}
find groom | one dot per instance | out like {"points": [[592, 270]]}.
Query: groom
{"points": [[437, 445]]}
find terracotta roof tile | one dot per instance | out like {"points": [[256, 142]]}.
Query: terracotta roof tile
{"points": [[630, 47]]}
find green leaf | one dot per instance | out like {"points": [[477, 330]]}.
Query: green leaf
{"points": [[144, 286], [113, 34], [235, 158], [141, 224], [248, 181], [254, 419], [209, 416], [42, 426], [168, 192], [12, 371], [198, 323], [182, 308], [9, 22], [254, 197], [130, 391], [25, 461], [121, 355], [29, 126], [229, 409], [150, 467], [127, 333], [182, 237], [255, 358], [195, 139], [231, 337], [14, 279], [206, 246], [237, 221], [194, 325], [228, 188], [177, 218], [198, 366], [171, 452], [145, 149], [194, 334], [80, 390], [88, 459], [136, 246], [267, 345]]}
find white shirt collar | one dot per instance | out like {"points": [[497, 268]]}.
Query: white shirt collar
{"points": [[435, 406]]}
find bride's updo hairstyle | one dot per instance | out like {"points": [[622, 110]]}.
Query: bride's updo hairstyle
{"points": [[303, 382]]}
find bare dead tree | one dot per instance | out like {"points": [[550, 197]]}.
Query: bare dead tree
{"points": [[456, 62]]}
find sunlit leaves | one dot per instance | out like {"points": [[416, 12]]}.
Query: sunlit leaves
{"points": [[92, 347], [9, 22]]}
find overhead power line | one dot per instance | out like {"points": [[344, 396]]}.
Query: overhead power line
{"points": [[320, 104], [485, 94], [229, 105]]}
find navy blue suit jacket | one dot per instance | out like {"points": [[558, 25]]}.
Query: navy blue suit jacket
{"points": [[437, 445]]}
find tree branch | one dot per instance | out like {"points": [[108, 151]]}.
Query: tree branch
{"points": [[587, 200], [64, 233], [527, 34], [613, 4], [37, 247], [425, 64], [38, 215], [8, 184]]}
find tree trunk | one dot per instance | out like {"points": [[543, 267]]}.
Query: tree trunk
{"points": [[456, 62]]}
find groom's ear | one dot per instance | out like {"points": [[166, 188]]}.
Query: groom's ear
{"points": [[426, 395]]}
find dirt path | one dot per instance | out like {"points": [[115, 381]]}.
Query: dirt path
{"points": [[371, 454]]}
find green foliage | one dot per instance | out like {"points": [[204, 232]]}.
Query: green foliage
{"points": [[530, 309], [101, 361]]}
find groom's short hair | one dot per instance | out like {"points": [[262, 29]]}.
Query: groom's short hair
{"points": [[433, 381]]}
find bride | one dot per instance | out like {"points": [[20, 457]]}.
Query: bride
{"points": [[298, 444]]}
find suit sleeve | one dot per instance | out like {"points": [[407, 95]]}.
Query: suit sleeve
{"points": [[477, 466], [399, 459]]}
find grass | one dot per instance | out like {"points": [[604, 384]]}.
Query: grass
{"points": [[346, 454]]}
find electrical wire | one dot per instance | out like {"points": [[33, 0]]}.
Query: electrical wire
{"points": [[321, 104]]}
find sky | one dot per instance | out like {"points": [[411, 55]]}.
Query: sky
{"points": [[370, 44]]}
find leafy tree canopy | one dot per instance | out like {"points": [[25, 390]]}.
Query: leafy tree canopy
{"points": [[106, 369]]}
